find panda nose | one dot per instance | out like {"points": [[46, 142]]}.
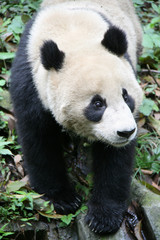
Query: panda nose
{"points": [[125, 134]]}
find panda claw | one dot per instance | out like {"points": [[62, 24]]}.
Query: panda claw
{"points": [[76, 204], [62, 208], [90, 222], [78, 199]]}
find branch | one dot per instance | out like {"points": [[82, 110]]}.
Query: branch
{"points": [[150, 73], [151, 70]]}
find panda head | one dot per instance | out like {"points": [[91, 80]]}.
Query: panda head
{"points": [[93, 93]]}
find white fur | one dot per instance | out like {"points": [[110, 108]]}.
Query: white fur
{"points": [[88, 67]]}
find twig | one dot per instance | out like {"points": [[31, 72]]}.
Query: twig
{"points": [[146, 172], [150, 73], [82, 181], [151, 70], [6, 110]]}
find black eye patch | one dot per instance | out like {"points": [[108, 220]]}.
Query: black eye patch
{"points": [[94, 111], [128, 99]]}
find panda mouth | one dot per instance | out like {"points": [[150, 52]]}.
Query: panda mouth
{"points": [[120, 144]]}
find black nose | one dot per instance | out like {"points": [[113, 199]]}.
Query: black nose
{"points": [[125, 134]]}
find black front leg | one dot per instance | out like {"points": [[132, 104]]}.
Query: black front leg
{"points": [[41, 141], [112, 177]]}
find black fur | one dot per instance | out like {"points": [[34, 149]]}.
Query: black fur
{"points": [[112, 176], [96, 108], [128, 99], [51, 56], [41, 140], [40, 136], [115, 41]]}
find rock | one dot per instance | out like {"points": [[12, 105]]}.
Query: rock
{"points": [[85, 233], [150, 204], [41, 231], [68, 233], [37, 230], [5, 100]]}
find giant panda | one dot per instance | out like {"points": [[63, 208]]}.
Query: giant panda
{"points": [[75, 73]]}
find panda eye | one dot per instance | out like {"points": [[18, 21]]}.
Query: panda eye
{"points": [[125, 94], [98, 104], [96, 108]]}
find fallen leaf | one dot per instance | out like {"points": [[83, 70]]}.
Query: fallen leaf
{"points": [[25, 179], [157, 116], [7, 36], [17, 160], [155, 185], [157, 91], [155, 124], [137, 230], [144, 171], [15, 186], [54, 215], [141, 122], [150, 187]]}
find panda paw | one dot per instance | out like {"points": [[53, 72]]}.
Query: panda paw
{"points": [[66, 202], [105, 219]]}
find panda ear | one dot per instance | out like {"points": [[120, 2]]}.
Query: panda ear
{"points": [[51, 56], [115, 41]]}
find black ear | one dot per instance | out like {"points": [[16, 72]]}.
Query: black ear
{"points": [[115, 41], [51, 56]]}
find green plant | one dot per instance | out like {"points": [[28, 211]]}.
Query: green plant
{"points": [[148, 106], [4, 234], [149, 13], [15, 15], [66, 219], [14, 209], [3, 149], [148, 152], [17, 203]]}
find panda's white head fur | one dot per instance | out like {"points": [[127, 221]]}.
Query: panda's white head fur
{"points": [[85, 80]]}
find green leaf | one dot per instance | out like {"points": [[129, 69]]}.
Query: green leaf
{"points": [[5, 152], [154, 21], [156, 40], [3, 142], [67, 219], [2, 82], [3, 227], [7, 55], [138, 2], [156, 167], [25, 18], [16, 26], [147, 106], [155, 107], [156, 8], [7, 234], [14, 186], [147, 41]]}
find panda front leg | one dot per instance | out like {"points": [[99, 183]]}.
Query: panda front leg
{"points": [[41, 140], [112, 177]]}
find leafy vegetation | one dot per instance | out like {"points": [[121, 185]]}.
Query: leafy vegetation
{"points": [[3, 234], [17, 200], [148, 156]]}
